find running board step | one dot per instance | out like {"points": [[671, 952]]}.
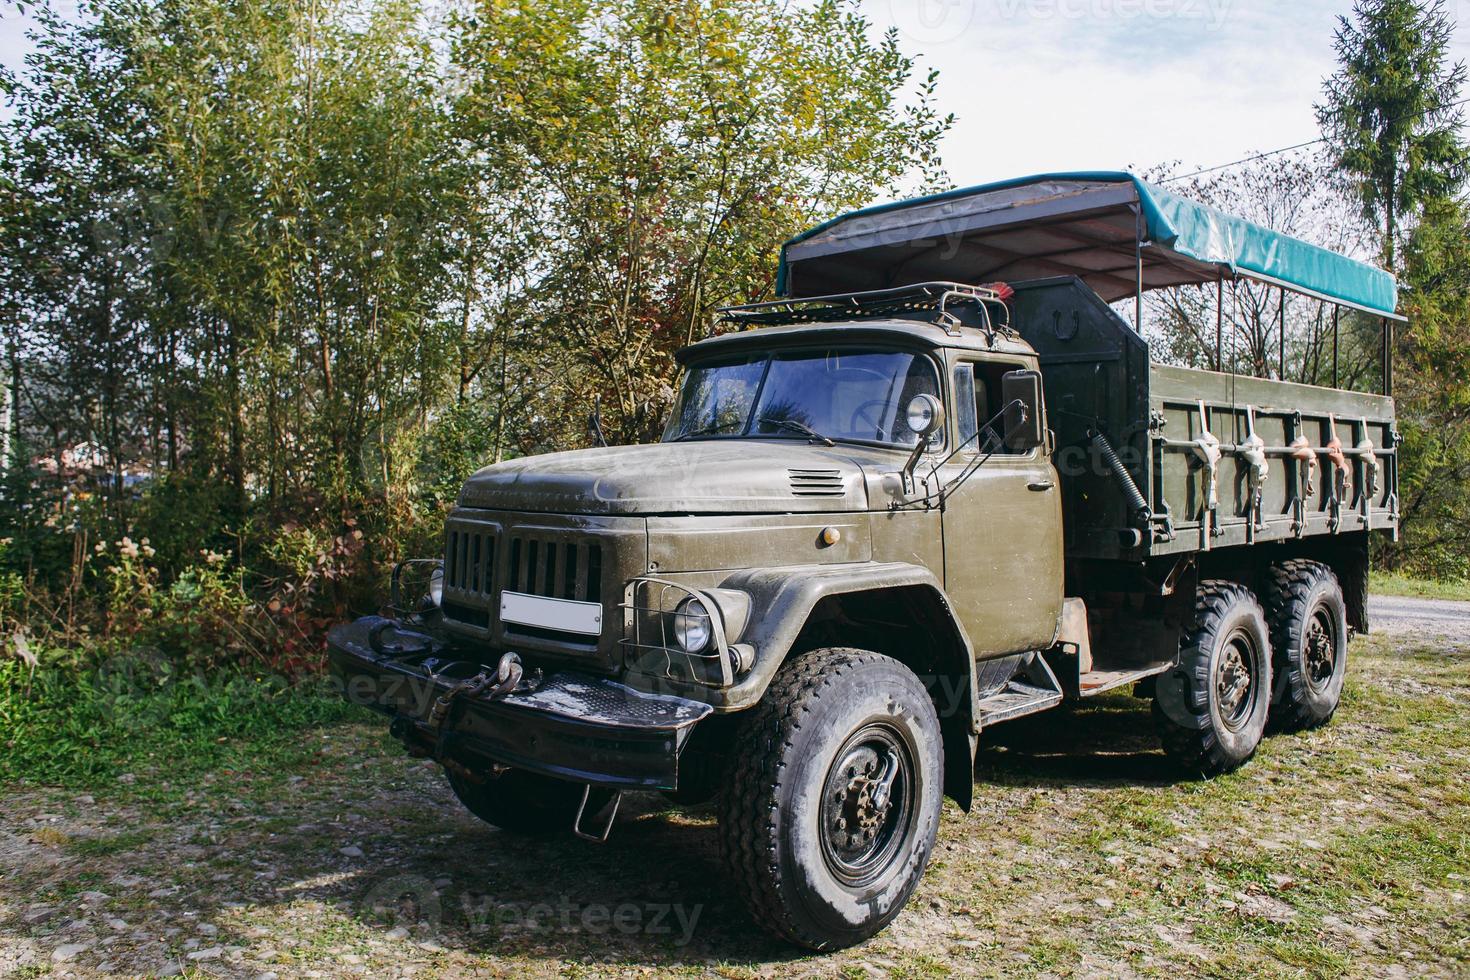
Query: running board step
{"points": [[1097, 681], [1015, 700], [1037, 692]]}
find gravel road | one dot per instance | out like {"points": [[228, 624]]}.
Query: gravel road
{"points": [[1412, 618]]}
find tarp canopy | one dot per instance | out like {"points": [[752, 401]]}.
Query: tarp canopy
{"points": [[1083, 224]]}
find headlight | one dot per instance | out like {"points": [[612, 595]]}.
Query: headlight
{"points": [[692, 629], [436, 586]]}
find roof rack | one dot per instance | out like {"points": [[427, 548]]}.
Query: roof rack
{"points": [[917, 298]]}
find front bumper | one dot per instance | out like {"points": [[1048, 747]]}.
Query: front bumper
{"points": [[564, 724]]}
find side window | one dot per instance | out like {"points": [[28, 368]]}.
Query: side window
{"points": [[966, 400], [983, 378]]}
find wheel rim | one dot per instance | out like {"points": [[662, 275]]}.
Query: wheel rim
{"points": [[1235, 679], [867, 804], [1319, 650]]}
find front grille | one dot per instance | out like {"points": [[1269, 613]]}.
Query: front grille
{"points": [[549, 566], [459, 612], [555, 568], [469, 561]]}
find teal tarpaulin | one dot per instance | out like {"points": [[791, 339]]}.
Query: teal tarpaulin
{"points": [[1083, 224]]}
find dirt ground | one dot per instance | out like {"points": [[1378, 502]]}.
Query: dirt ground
{"points": [[1341, 852]]}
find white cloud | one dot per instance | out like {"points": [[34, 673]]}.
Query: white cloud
{"points": [[1103, 84]]}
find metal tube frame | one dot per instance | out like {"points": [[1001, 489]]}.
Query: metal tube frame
{"points": [[1281, 334], [1336, 315], [1219, 324]]}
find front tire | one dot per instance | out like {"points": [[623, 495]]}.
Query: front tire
{"points": [[528, 803], [832, 806], [1211, 710], [1309, 635]]}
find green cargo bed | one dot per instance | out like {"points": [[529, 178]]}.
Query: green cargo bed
{"points": [[1100, 381]]}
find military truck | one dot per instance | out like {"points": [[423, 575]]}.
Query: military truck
{"points": [[892, 508]]}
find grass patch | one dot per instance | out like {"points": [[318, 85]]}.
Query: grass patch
{"points": [[1393, 583], [1338, 852], [86, 729]]}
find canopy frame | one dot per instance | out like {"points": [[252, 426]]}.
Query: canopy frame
{"points": [[1118, 234]]}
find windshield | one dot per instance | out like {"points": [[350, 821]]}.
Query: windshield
{"points": [[839, 393]]}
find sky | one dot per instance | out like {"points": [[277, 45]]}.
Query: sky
{"points": [[1045, 85]]}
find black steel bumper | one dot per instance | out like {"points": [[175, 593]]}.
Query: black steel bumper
{"points": [[569, 725]]}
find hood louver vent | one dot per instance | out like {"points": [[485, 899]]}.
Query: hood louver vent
{"points": [[816, 483]]}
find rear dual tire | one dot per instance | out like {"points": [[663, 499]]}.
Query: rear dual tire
{"points": [[1211, 710], [1309, 634], [1242, 667]]}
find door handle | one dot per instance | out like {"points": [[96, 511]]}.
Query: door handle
{"points": [[1040, 486]]}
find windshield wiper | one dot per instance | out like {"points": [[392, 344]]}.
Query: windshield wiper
{"points": [[795, 426], [707, 430]]}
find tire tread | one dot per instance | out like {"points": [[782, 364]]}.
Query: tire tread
{"points": [[749, 818], [1196, 748], [1290, 586]]}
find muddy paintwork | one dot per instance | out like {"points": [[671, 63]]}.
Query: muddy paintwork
{"points": [[728, 512], [730, 476]]}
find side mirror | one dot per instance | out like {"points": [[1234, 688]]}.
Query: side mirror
{"points": [[1024, 428]]}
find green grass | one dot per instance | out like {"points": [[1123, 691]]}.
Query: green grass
{"points": [[1394, 583], [1343, 851], [81, 730]]}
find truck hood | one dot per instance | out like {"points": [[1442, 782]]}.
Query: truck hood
{"points": [[709, 477]]}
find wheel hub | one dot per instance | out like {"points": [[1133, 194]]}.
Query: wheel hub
{"points": [[1319, 653], [864, 801], [1233, 681], [863, 807]]}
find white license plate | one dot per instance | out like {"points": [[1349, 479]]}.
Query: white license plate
{"points": [[563, 615]]}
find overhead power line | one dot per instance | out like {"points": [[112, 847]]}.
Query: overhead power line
{"points": [[1295, 146]]}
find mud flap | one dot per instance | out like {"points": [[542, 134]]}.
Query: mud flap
{"points": [[1171, 693]]}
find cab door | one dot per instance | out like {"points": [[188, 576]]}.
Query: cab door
{"points": [[1003, 565]]}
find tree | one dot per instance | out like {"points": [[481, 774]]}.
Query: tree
{"points": [[1434, 396], [1391, 114], [298, 267], [670, 147], [79, 242]]}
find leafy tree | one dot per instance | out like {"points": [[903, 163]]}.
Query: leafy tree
{"points": [[296, 268], [670, 146], [81, 229], [1391, 114], [1434, 397]]}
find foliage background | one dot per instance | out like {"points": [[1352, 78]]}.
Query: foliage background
{"points": [[280, 273]]}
